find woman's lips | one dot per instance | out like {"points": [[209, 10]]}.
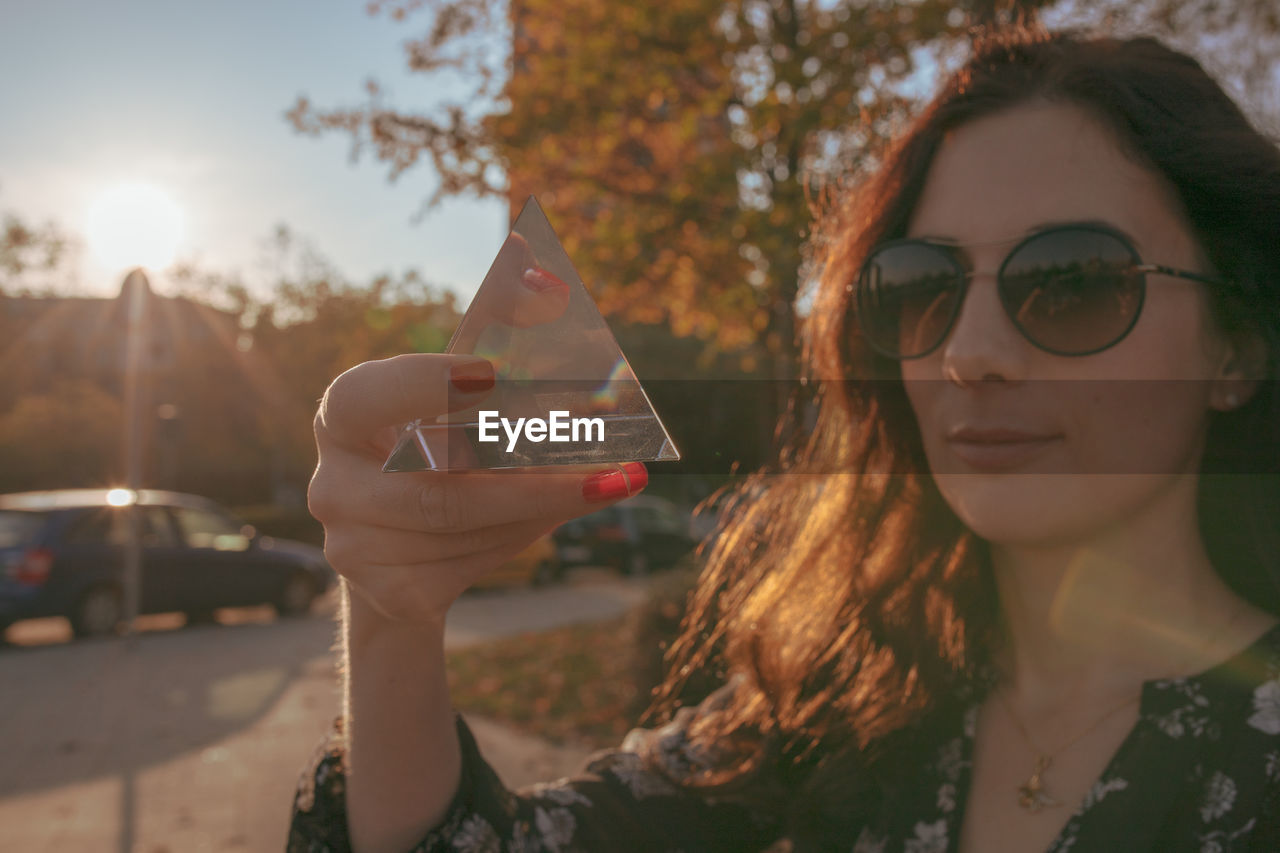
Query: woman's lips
{"points": [[998, 449]]}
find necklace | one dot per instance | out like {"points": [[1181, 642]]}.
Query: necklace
{"points": [[1031, 793]]}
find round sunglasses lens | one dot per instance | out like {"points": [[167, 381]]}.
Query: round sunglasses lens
{"points": [[907, 297], [1072, 292]]}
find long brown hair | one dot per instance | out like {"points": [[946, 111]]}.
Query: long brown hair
{"points": [[849, 598]]}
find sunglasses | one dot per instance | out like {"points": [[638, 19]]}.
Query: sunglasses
{"points": [[1070, 290]]}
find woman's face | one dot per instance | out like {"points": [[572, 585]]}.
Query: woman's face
{"points": [[1027, 446]]}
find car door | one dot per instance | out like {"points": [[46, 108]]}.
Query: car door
{"points": [[94, 548], [663, 533], [221, 567], [570, 538], [162, 561], [90, 552], [606, 537]]}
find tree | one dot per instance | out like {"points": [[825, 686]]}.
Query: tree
{"points": [[32, 257], [309, 326], [674, 144], [233, 379], [64, 435], [1237, 42]]}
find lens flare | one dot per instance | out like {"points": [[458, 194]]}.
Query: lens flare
{"points": [[134, 225]]}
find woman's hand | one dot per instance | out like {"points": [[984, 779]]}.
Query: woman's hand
{"points": [[408, 544]]}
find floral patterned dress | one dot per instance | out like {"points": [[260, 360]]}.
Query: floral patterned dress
{"points": [[1199, 772]]}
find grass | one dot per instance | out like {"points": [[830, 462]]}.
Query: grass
{"points": [[571, 684]]}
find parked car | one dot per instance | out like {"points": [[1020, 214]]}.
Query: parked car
{"points": [[62, 554], [635, 536], [536, 565]]}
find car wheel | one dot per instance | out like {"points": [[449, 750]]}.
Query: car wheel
{"points": [[97, 613], [296, 597]]}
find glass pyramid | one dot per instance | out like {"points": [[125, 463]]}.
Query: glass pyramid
{"points": [[564, 392]]}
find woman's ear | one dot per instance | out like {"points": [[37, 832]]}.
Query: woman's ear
{"points": [[1243, 367]]}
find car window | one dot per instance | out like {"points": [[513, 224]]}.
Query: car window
{"points": [[205, 529], [101, 526], [652, 519], [157, 531], [110, 526], [608, 515], [17, 528]]}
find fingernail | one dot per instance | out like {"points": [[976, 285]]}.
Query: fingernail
{"points": [[472, 378], [637, 474], [538, 280], [618, 483], [605, 486]]}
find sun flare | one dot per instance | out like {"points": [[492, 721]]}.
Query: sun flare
{"points": [[134, 225]]}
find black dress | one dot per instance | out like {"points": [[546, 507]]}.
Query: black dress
{"points": [[1198, 773]]}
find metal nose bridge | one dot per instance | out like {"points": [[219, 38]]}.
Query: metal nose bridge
{"points": [[967, 278], [980, 362]]}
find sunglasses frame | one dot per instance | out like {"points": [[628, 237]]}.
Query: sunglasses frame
{"points": [[945, 249]]}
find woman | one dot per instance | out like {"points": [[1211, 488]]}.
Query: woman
{"points": [[1041, 614]]}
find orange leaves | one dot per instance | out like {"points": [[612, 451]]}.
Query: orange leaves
{"points": [[569, 683], [663, 114]]}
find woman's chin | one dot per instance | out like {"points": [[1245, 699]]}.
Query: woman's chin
{"points": [[1032, 508]]}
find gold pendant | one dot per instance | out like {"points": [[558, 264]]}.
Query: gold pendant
{"points": [[1031, 795]]}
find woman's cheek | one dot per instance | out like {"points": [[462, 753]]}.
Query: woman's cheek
{"points": [[1142, 427]]}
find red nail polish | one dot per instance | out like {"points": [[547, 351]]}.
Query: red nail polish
{"points": [[471, 378], [637, 475], [604, 486], [539, 280], [621, 483]]}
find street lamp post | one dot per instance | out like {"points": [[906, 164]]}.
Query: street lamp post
{"points": [[136, 292], [138, 224]]}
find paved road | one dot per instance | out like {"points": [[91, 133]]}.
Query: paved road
{"points": [[190, 739]]}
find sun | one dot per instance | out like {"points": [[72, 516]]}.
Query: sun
{"points": [[134, 225]]}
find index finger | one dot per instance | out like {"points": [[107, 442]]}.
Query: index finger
{"points": [[375, 395]]}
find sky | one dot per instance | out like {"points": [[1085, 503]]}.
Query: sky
{"points": [[190, 96]]}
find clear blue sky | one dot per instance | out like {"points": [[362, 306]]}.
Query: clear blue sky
{"points": [[190, 95]]}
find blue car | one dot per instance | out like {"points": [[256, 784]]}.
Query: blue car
{"points": [[62, 553]]}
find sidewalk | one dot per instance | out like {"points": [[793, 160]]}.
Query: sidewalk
{"points": [[231, 794], [194, 740]]}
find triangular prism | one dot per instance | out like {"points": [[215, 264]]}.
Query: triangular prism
{"points": [[565, 393]]}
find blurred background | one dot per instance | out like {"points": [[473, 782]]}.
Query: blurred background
{"points": [[209, 210]]}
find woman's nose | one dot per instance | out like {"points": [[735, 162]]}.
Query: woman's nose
{"points": [[983, 344]]}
